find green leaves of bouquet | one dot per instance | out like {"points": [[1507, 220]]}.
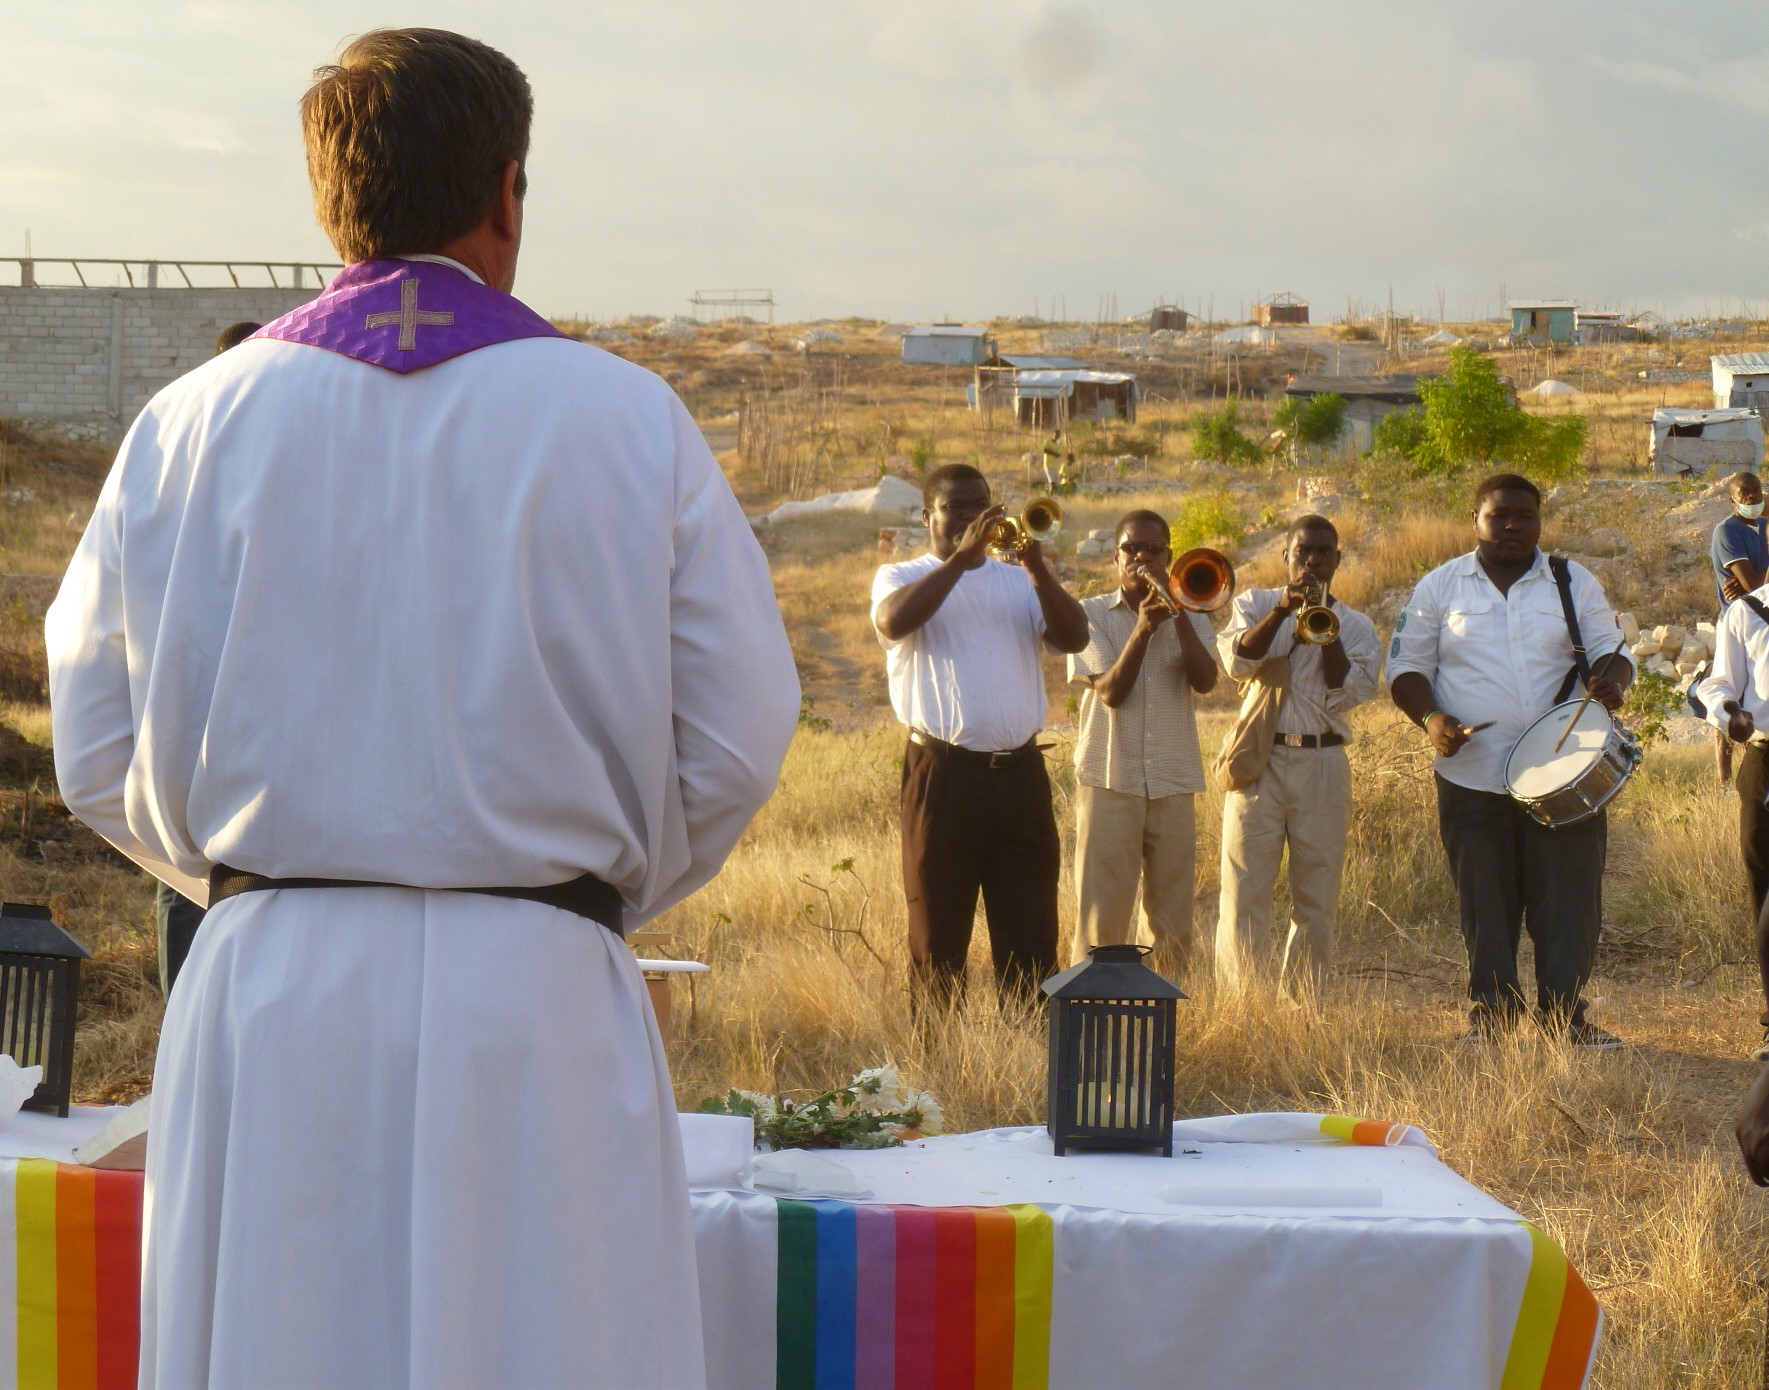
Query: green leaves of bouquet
{"points": [[873, 1111]]}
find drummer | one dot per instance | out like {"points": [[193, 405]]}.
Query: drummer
{"points": [[1482, 650]]}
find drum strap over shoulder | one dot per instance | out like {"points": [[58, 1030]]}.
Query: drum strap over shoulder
{"points": [[1581, 668], [1755, 604]]}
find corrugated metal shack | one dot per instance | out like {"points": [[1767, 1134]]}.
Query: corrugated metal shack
{"points": [[1281, 308], [1687, 443]]}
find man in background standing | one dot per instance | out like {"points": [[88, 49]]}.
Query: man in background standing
{"points": [[1303, 798], [431, 647], [962, 635], [1138, 769], [1740, 555]]}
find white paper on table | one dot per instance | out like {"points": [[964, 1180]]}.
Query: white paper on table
{"points": [[17, 1084], [805, 1174], [717, 1149]]}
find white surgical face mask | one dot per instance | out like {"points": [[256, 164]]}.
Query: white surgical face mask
{"points": [[1750, 511]]}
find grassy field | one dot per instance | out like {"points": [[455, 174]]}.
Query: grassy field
{"points": [[1625, 1158]]}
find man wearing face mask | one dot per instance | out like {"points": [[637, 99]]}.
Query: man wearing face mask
{"points": [[1740, 552], [1735, 694]]}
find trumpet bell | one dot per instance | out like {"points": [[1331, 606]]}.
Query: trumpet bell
{"points": [[1012, 536], [1202, 580], [1317, 624]]}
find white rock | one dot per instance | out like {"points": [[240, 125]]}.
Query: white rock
{"points": [[1092, 548], [1672, 641], [1630, 628], [1103, 533], [1644, 649], [1705, 631], [1694, 651]]}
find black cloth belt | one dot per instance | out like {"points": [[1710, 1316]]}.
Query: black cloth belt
{"points": [[993, 761], [587, 896], [1307, 741]]}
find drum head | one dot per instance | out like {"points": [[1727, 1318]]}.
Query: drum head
{"points": [[1535, 770]]}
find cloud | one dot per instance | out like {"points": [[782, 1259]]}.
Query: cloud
{"points": [[1062, 53]]}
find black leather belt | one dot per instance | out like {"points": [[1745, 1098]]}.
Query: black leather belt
{"points": [[1006, 757], [1307, 741], [587, 896]]}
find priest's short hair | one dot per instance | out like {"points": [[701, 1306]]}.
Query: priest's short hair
{"points": [[408, 135]]}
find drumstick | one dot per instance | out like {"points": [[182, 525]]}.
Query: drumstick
{"points": [[1587, 700], [1471, 730]]}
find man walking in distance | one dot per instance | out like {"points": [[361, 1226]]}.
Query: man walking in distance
{"points": [[410, 589], [1735, 693], [962, 634], [1740, 555], [1137, 764], [1481, 651], [1303, 798]]}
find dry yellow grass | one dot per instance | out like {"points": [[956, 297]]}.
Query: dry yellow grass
{"points": [[1624, 1158]]}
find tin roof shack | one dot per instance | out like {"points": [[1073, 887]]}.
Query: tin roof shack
{"points": [[947, 345], [1688, 443], [1168, 318], [1367, 400], [1741, 379], [995, 377], [1281, 308], [1592, 326], [1544, 320], [1050, 399]]}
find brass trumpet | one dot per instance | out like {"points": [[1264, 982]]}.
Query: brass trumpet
{"points": [[1200, 581], [1012, 536], [1316, 622]]}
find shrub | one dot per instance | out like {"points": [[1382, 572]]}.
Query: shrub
{"points": [[1205, 518], [1470, 419], [1312, 422], [921, 454], [1218, 437]]}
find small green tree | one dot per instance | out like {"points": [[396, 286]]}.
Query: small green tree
{"points": [[1470, 419], [1311, 423], [1218, 437]]}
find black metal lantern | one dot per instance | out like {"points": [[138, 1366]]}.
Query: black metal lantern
{"points": [[1112, 1025], [39, 999]]}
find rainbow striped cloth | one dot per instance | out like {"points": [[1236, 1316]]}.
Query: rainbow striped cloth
{"points": [[880, 1297], [70, 1284]]}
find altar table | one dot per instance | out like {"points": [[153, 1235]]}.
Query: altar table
{"points": [[1269, 1251]]}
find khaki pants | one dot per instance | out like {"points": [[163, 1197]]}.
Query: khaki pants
{"points": [[1303, 799], [1119, 839]]}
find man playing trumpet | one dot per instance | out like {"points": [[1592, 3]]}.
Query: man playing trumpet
{"points": [[962, 634], [1137, 764], [1303, 798]]}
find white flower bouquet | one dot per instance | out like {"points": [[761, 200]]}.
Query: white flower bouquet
{"points": [[873, 1111]]}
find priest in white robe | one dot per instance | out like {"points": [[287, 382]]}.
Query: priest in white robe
{"points": [[411, 590]]}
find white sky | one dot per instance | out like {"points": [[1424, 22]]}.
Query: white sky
{"points": [[914, 158]]}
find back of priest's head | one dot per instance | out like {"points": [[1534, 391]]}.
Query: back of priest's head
{"points": [[408, 135]]}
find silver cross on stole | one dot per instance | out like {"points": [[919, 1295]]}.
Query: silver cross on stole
{"points": [[409, 316]]}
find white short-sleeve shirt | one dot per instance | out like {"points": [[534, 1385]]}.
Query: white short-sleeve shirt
{"points": [[970, 675], [1496, 656]]}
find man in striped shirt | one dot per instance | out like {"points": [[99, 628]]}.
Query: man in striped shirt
{"points": [[1303, 798], [1137, 767]]}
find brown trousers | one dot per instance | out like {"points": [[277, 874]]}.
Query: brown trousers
{"points": [[967, 827]]}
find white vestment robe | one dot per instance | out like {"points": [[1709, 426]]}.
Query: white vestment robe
{"points": [[498, 621]]}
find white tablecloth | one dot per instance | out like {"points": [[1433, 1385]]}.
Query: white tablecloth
{"points": [[1288, 1260]]}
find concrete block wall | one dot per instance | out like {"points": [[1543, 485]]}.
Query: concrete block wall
{"points": [[99, 355]]}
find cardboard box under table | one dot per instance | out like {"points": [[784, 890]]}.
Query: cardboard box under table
{"points": [[1270, 1250]]}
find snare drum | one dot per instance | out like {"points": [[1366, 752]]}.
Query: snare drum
{"points": [[1563, 788]]}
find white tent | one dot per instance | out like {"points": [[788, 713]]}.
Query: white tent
{"points": [[1442, 338], [748, 348], [1551, 387], [892, 498]]}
